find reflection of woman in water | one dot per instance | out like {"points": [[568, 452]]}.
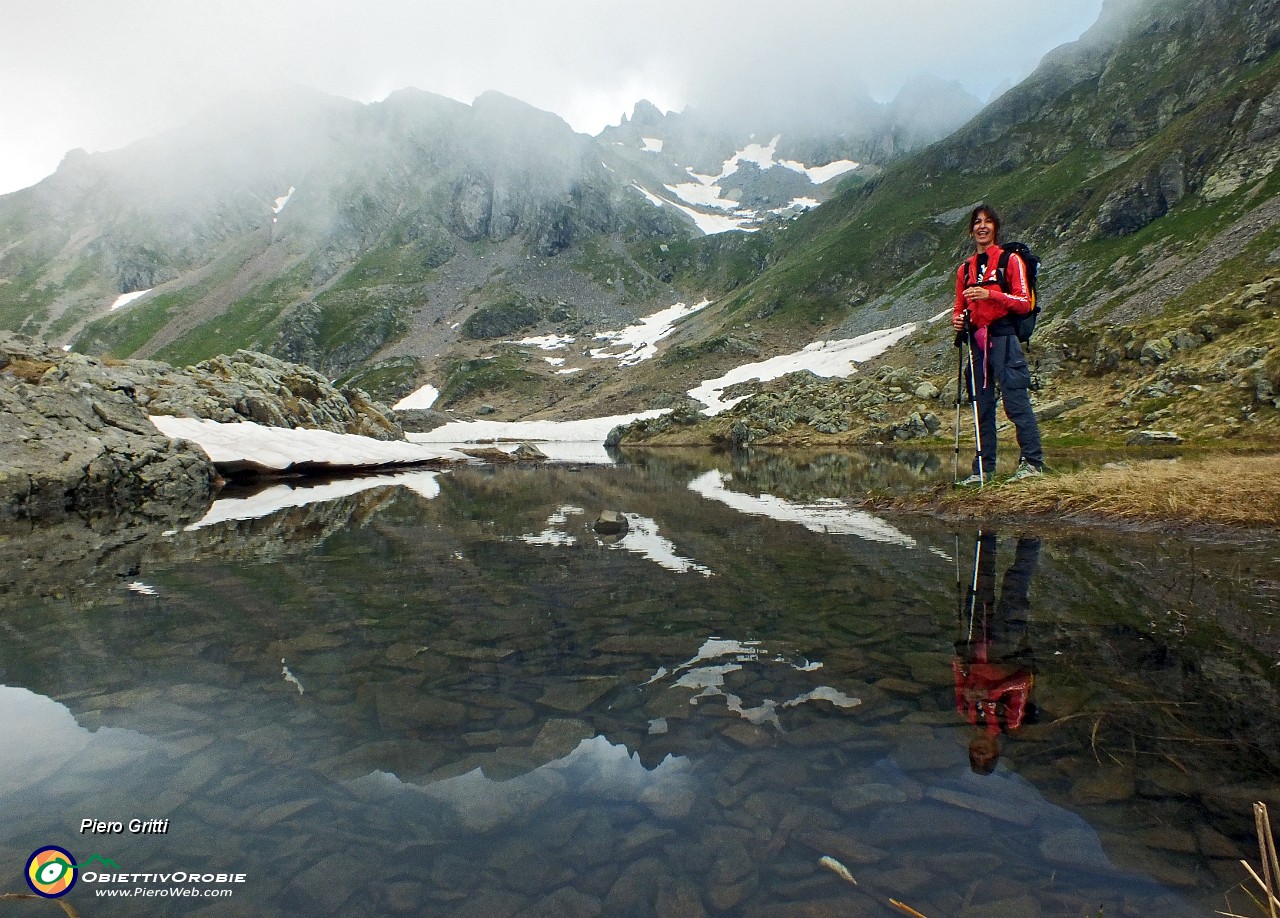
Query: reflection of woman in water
{"points": [[994, 666]]}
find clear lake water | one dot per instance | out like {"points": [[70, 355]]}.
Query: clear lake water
{"points": [[450, 694]]}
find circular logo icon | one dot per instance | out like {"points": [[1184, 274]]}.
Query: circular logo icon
{"points": [[51, 871]]}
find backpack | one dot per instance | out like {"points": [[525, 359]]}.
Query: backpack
{"points": [[1025, 325]]}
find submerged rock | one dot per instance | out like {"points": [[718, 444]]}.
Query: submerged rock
{"points": [[611, 522], [527, 452]]}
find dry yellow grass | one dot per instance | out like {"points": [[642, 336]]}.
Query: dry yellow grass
{"points": [[28, 371], [1225, 490]]}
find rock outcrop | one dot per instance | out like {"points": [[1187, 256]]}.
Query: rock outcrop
{"points": [[78, 437], [245, 386], [81, 448]]}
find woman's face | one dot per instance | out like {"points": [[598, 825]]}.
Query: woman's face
{"points": [[983, 229]]}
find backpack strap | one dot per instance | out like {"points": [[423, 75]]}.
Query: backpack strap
{"points": [[1002, 268]]}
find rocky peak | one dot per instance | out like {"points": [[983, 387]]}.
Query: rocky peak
{"points": [[645, 115]]}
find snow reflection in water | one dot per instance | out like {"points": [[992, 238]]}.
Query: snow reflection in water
{"points": [[641, 538], [829, 516], [708, 680], [282, 496], [595, 771], [497, 724]]}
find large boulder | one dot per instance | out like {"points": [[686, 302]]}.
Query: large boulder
{"points": [[90, 451], [78, 436]]}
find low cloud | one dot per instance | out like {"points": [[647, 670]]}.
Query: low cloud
{"points": [[100, 75]]}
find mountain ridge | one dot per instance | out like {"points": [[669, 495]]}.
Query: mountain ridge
{"points": [[1137, 158], [361, 238]]}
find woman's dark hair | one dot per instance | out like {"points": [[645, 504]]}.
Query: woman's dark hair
{"points": [[991, 215]]}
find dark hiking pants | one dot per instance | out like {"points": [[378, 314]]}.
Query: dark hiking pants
{"points": [[1010, 371]]}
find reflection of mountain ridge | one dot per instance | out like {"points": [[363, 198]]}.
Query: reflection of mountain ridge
{"points": [[433, 642]]}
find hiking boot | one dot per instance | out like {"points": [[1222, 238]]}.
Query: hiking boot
{"points": [[1026, 470], [973, 481]]}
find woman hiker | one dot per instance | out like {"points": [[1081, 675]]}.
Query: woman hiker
{"points": [[984, 311]]}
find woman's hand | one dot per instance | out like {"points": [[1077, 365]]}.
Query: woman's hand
{"points": [[976, 293], [958, 320]]}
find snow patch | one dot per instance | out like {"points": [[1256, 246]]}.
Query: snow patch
{"points": [[640, 340], [701, 195], [822, 358], [547, 342], [586, 430], [761, 156], [419, 399], [820, 174], [582, 440], [283, 200], [651, 197], [125, 299], [710, 224], [247, 444], [651, 144]]}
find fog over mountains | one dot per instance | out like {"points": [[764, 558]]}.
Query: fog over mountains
{"points": [[103, 76], [329, 231], [420, 240]]}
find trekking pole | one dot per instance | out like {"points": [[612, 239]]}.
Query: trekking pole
{"points": [[973, 590], [955, 462], [959, 594], [973, 394]]}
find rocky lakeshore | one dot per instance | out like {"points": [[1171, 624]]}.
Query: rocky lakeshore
{"points": [[1206, 377], [78, 435]]}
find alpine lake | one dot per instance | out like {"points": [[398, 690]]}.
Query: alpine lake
{"points": [[454, 694]]}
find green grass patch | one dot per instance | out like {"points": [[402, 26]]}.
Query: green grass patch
{"points": [[481, 377], [385, 381], [247, 324], [398, 261], [123, 333], [344, 317], [510, 313]]}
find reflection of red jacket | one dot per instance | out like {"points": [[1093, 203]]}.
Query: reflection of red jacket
{"points": [[984, 690], [999, 304]]}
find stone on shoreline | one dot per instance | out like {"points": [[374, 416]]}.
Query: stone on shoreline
{"points": [[78, 437], [1154, 438]]}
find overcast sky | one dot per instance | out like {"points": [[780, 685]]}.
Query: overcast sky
{"points": [[99, 74]]}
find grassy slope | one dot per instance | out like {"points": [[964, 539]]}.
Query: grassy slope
{"points": [[1054, 154], [884, 238]]}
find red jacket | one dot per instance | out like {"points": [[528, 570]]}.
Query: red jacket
{"points": [[986, 693], [999, 304]]}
